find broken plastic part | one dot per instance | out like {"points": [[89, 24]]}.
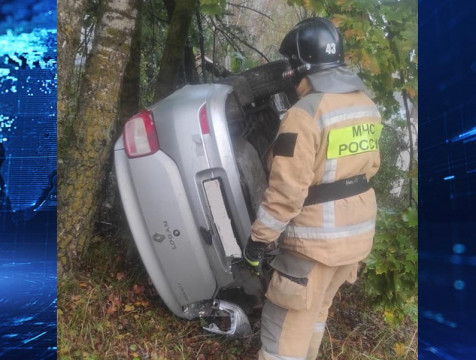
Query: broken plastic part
{"points": [[239, 324]]}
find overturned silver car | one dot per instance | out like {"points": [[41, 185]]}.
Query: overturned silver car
{"points": [[190, 174]]}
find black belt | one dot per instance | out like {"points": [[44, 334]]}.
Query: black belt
{"points": [[337, 190]]}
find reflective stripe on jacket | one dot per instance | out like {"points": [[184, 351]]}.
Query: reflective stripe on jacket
{"points": [[335, 232]]}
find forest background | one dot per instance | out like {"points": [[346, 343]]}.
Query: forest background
{"points": [[118, 56]]}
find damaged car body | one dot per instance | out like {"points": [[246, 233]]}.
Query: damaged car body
{"points": [[190, 172]]}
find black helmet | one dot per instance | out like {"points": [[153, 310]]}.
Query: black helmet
{"points": [[316, 42]]}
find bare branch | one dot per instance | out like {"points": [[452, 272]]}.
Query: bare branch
{"points": [[251, 9], [244, 42], [253, 48], [227, 37]]}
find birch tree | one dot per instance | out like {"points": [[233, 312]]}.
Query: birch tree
{"points": [[85, 166], [70, 19]]}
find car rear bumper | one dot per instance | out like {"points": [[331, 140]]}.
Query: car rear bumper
{"points": [[164, 230]]}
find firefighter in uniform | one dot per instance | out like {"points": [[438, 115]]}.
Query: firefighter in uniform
{"points": [[318, 197]]}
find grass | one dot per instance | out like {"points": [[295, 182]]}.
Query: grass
{"points": [[356, 331], [110, 310]]}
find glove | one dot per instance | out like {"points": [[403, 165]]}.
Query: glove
{"points": [[254, 254]]}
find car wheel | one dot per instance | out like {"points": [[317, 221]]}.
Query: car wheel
{"points": [[267, 79]]}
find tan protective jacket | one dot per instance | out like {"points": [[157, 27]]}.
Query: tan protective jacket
{"points": [[308, 152]]}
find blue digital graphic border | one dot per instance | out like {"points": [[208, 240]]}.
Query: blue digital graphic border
{"points": [[447, 180], [28, 179]]}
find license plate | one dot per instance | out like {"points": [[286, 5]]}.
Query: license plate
{"points": [[221, 218]]}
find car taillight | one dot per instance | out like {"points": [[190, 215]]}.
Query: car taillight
{"points": [[140, 137], [204, 120]]}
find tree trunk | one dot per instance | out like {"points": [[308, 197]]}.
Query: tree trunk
{"points": [[201, 44], [70, 21], [394, 48], [190, 68], [130, 92], [173, 55], [88, 157], [410, 140], [169, 6]]}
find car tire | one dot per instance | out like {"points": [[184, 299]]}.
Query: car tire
{"points": [[267, 79]]}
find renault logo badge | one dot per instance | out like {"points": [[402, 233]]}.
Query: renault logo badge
{"points": [[158, 237]]}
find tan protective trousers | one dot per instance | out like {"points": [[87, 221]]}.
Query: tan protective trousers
{"points": [[295, 332]]}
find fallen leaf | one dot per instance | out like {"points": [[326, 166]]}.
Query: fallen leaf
{"points": [[400, 349], [113, 304], [120, 276], [143, 303], [111, 310], [129, 308], [138, 289]]}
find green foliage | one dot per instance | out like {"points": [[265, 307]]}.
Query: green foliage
{"points": [[381, 41], [391, 269], [237, 61], [213, 7], [389, 176]]}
